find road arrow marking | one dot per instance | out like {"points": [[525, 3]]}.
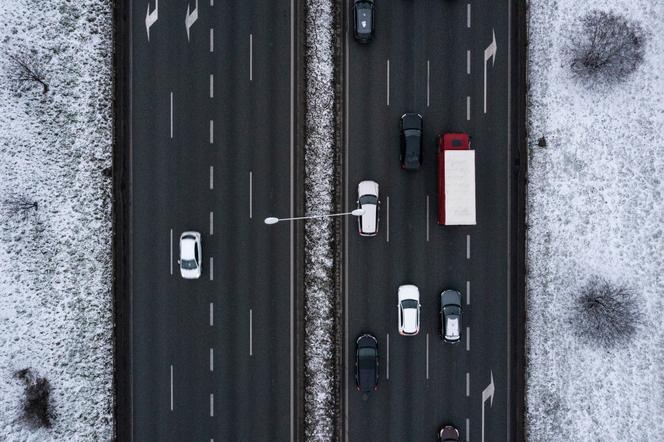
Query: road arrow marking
{"points": [[191, 18], [151, 17], [489, 53], [487, 393]]}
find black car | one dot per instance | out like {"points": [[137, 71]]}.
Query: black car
{"points": [[411, 141], [448, 434], [450, 315], [366, 363], [363, 20]]}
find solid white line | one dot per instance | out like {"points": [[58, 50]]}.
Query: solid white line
{"points": [[468, 10], [427, 218], [251, 57], [211, 177], [508, 278], [211, 359], [467, 338], [468, 62], [468, 108], [427, 83], [171, 387], [387, 227], [211, 85], [467, 292], [251, 194], [211, 223], [388, 82], [467, 430], [211, 314], [467, 246], [171, 115], [171, 251], [292, 225], [211, 39], [344, 268], [251, 333], [427, 355], [211, 268], [211, 131], [467, 384], [387, 365], [211, 405]]}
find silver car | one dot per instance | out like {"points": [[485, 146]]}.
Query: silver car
{"points": [[450, 315], [367, 200]]}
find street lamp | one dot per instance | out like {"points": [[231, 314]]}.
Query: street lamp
{"points": [[273, 220]]}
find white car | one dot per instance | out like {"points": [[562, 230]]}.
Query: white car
{"points": [[191, 255], [367, 200], [409, 310]]}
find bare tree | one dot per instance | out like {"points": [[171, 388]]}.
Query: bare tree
{"points": [[37, 408], [607, 313], [605, 46], [20, 205], [27, 68]]}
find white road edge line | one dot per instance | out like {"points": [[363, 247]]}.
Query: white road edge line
{"points": [[211, 314], [251, 57], [211, 404], [211, 131], [467, 338], [468, 11], [251, 332], [171, 387], [291, 226], [467, 246], [171, 115], [344, 269], [388, 81], [251, 194], [468, 108], [211, 177], [211, 39], [427, 218], [427, 355], [211, 85], [211, 359], [428, 83], [467, 384], [211, 268], [387, 364], [467, 292], [387, 227], [171, 251], [468, 62], [211, 223]]}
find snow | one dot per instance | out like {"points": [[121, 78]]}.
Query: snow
{"points": [[319, 302], [56, 266], [595, 207]]}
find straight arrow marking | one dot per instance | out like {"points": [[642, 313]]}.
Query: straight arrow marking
{"points": [[489, 53], [151, 17], [191, 18]]}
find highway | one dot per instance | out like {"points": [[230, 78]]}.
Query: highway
{"points": [[429, 57], [212, 151]]}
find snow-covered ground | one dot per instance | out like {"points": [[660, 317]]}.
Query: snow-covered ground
{"points": [[595, 207], [55, 262]]}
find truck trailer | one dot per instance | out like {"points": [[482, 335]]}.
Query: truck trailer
{"points": [[456, 180]]}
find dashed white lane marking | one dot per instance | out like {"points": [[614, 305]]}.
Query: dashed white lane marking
{"points": [[211, 359], [171, 251], [388, 82], [467, 430], [387, 227], [211, 223], [211, 268], [468, 13], [467, 292], [171, 387], [468, 62], [251, 57], [251, 332], [467, 384], [427, 218], [428, 83], [211, 314], [211, 177], [211, 39], [211, 131], [211, 4], [211, 85], [467, 246], [387, 364], [211, 405], [171, 115], [251, 194], [468, 108], [467, 338], [427, 355]]}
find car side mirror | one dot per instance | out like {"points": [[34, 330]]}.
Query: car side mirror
{"points": [[178, 261]]}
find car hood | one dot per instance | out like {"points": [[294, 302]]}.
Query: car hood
{"points": [[412, 121], [367, 188]]}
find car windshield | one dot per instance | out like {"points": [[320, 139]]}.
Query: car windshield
{"points": [[366, 353], [409, 303], [412, 133], [368, 199], [188, 264], [452, 310]]}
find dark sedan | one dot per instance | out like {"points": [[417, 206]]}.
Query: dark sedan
{"points": [[411, 141], [363, 20], [450, 315], [366, 363]]}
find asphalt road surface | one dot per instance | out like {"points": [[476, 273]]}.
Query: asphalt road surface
{"points": [[212, 151], [429, 57]]}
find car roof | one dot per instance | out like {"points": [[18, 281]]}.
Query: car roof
{"points": [[410, 320], [369, 219], [187, 247]]}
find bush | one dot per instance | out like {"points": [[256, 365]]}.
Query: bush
{"points": [[605, 47], [608, 313], [36, 405]]}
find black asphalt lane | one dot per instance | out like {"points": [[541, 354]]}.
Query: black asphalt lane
{"points": [[408, 406], [251, 394]]}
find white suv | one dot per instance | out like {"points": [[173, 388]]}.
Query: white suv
{"points": [[367, 200], [191, 255], [409, 310]]}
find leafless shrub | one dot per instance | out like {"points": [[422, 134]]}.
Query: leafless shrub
{"points": [[26, 69], [20, 205], [607, 313], [605, 46], [36, 405]]}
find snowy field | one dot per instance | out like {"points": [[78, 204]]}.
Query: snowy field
{"points": [[55, 216], [596, 208]]}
